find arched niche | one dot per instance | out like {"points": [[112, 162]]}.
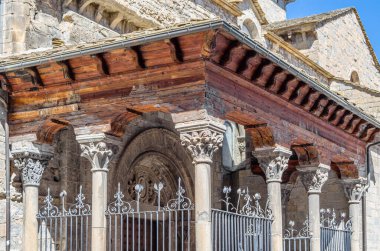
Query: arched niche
{"points": [[354, 78], [153, 156], [248, 27]]}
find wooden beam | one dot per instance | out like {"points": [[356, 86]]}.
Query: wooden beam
{"points": [[35, 75], [5, 85], [101, 64], [136, 52], [175, 50], [67, 71]]}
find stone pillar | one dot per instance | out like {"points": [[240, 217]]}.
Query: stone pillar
{"points": [[31, 163], [202, 139], [274, 161], [95, 149], [354, 190], [313, 178]]}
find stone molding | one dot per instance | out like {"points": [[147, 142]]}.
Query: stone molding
{"points": [[273, 161], [31, 161], [201, 139], [314, 180], [354, 189]]}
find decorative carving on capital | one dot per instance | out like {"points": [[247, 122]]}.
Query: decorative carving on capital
{"points": [[31, 166], [99, 155], [273, 162], [314, 180], [355, 189], [202, 144]]}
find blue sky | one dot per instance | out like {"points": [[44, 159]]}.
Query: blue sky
{"points": [[369, 11]]}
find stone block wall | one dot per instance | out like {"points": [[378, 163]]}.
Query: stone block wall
{"points": [[337, 38]]}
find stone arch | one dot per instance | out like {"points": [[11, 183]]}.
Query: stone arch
{"points": [[155, 155], [248, 27]]}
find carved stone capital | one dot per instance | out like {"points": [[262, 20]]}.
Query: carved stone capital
{"points": [[354, 189], [273, 162], [98, 149], [31, 160], [314, 180], [201, 139]]}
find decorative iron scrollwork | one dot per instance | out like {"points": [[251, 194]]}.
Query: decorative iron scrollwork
{"points": [[48, 209], [119, 206], [251, 204], [304, 232], [181, 202], [80, 207], [330, 220]]}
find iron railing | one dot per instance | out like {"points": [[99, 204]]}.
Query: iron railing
{"points": [[245, 228], [64, 229], [335, 234], [295, 240], [165, 228]]}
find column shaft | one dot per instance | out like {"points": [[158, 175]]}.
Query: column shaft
{"points": [[203, 206], [30, 231], [99, 206], [274, 194], [354, 208], [314, 221]]}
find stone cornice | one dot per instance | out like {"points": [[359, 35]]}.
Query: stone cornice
{"points": [[228, 6], [259, 11]]}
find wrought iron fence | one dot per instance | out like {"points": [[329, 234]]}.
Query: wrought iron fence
{"points": [[245, 228], [64, 229], [164, 228], [295, 240], [335, 233]]}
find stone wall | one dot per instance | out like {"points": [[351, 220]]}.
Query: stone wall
{"points": [[273, 11], [343, 49]]}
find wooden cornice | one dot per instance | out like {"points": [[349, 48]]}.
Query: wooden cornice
{"points": [[261, 72]]}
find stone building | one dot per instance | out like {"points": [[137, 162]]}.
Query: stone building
{"points": [[186, 125]]}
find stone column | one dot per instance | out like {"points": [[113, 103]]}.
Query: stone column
{"points": [[95, 149], [31, 163], [202, 139], [313, 178], [354, 190], [274, 161]]}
